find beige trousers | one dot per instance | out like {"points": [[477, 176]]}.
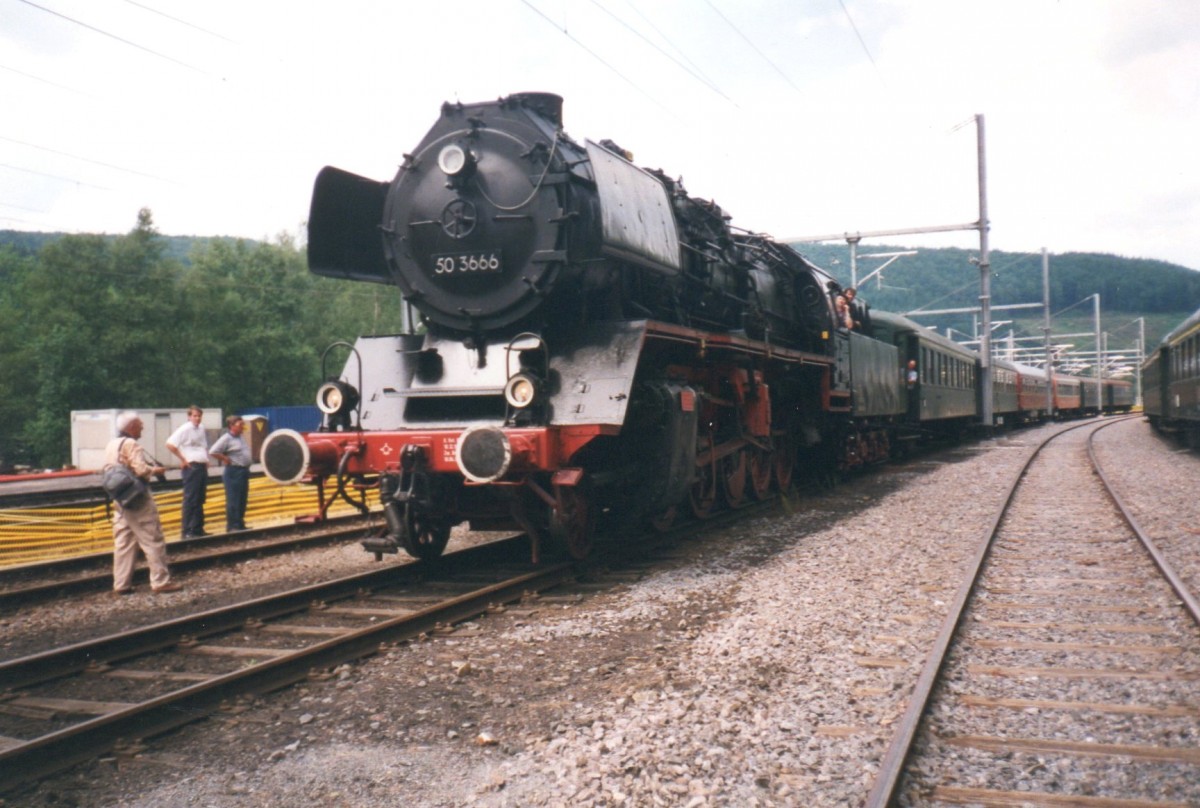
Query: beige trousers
{"points": [[133, 529]]}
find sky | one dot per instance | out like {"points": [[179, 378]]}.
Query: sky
{"points": [[799, 117]]}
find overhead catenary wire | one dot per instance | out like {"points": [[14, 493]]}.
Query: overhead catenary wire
{"points": [[753, 46], [680, 64], [861, 41], [29, 75], [86, 159], [54, 177], [669, 41], [111, 35], [599, 58], [601, 55], [181, 22]]}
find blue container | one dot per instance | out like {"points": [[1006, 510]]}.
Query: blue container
{"points": [[302, 418]]}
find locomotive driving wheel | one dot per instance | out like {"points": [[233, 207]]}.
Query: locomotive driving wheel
{"points": [[423, 537], [573, 524], [733, 478], [761, 465]]}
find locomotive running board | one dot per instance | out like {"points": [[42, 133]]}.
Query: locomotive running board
{"points": [[736, 343]]}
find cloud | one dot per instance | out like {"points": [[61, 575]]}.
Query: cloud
{"points": [[796, 118]]}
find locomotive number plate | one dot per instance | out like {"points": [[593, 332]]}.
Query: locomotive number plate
{"points": [[465, 263]]}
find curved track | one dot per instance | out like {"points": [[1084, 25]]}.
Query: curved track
{"points": [[1064, 673]]}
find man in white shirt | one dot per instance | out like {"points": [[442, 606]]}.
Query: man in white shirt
{"points": [[190, 444]]}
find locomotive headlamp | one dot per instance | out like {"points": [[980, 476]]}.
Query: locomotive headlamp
{"points": [[336, 398], [521, 390], [455, 160]]}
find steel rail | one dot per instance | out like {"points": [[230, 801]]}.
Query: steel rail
{"points": [[120, 729], [1186, 596], [75, 658], [53, 752], [83, 560], [123, 728], [21, 595], [892, 765]]}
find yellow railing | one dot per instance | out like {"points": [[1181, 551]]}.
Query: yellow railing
{"points": [[40, 534]]}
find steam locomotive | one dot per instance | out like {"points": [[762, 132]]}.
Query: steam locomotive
{"points": [[596, 347]]}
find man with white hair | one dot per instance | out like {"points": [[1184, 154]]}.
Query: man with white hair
{"points": [[136, 526]]}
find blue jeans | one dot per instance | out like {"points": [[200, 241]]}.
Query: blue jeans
{"points": [[237, 485]]}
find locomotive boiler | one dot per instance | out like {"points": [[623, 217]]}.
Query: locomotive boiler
{"points": [[594, 346]]}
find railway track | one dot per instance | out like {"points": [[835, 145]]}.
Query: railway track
{"points": [[73, 704], [1067, 671], [31, 583]]}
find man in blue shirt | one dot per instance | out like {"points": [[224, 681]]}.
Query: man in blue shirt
{"points": [[233, 452]]}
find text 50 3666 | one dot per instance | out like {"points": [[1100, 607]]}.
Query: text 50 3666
{"points": [[461, 263]]}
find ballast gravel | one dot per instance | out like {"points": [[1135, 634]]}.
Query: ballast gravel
{"points": [[763, 664]]}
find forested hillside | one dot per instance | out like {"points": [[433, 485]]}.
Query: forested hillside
{"points": [[99, 322], [1130, 288], [949, 275]]}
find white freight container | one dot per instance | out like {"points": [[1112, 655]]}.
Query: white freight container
{"points": [[91, 430]]}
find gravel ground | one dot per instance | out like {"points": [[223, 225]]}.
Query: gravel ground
{"points": [[764, 666], [1054, 563], [1157, 481]]}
